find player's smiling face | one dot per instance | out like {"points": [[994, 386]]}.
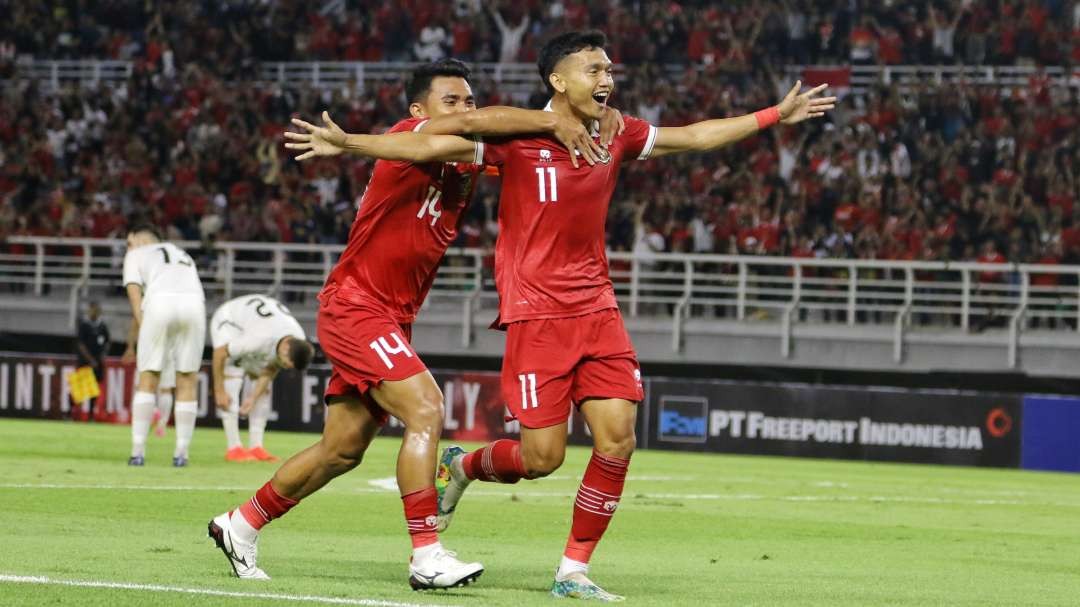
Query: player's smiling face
{"points": [[585, 77], [447, 95]]}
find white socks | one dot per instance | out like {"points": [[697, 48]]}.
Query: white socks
{"points": [[569, 566], [257, 421], [423, 552], [142, 412], [241, 527], [185, 414]]}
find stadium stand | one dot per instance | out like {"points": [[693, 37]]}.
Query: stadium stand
{"points": [[934, 171]]}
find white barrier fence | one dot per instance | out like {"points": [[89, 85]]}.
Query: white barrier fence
{"points": [[522, 78], [964, 298]]}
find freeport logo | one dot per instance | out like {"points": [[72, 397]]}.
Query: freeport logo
{"points": [[683, 419]]}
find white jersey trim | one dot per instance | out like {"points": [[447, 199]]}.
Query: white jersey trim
{"points": [[478, 151], [649, 143], [419, 125]]}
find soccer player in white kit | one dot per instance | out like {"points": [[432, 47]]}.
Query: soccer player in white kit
{"points": [[169, 311], [254, 337]]}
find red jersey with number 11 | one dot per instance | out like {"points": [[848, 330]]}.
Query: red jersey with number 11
{"points": [[550, 259], [409, 215]]}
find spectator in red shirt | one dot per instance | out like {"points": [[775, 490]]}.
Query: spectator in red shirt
{"points": [[990, 255]]}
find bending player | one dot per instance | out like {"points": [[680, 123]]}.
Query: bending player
{"points": [[409, 215], [254, 337], [169, 324], [565, 341]]}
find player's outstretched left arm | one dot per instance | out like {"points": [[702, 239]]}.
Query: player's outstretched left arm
{"points": [[330, 140], [712, 134]]}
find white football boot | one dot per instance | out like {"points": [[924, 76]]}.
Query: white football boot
{"points": [[442, 569], [241, 554], [450, 483]]}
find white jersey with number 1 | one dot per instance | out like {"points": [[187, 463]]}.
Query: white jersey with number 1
{"points": [[173, 329], [162, 269]]}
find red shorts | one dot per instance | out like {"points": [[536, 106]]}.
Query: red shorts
{"points": [[552, 363], [365, 345]]}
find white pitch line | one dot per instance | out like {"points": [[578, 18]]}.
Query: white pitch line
{"points": [[630, 497], [330, 600]]}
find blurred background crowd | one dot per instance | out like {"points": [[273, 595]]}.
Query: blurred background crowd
{"points": [[938, 172]]}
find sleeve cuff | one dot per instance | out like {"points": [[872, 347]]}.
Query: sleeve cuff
{"points": [[649, 142], [478, 155]]}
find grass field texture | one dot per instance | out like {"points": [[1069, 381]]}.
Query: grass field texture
{"points": [[692, 530]]}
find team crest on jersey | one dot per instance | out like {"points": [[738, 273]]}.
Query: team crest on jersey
{"points": [[545, 155], [604, 156]]}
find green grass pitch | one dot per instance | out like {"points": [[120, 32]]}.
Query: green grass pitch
{"points": [[696, 530]]}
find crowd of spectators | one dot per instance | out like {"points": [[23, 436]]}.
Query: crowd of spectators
{"points": [[228, 36], [935, 172]]}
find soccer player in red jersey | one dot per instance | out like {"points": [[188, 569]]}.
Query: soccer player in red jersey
{"points": [[409, 215], [566, 344]]}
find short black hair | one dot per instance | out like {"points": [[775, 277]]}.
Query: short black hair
{"points": [[563, 45], [145, 227], [300, 353], [420, 80]]}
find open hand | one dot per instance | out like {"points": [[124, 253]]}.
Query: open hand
{"points": [[577, 140], [797, 107], [318, 141], [611, 125], [222, 400]]}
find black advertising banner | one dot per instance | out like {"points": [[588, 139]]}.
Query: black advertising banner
{"points": [[36, 386], [958, 428], [474, 407]]}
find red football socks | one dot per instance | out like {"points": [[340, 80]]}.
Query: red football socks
{"points": [[265, 506], [421, 515], [597, 499], [498, 462]]}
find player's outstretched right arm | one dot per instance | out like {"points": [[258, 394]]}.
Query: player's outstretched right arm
{"points": [[712, 134], [330, 140]]}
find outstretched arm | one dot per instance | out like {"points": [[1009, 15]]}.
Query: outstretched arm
{"points": [[499, 120], [712, 134], [330, 140]]}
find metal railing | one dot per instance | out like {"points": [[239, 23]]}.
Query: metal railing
{"points": [[906, 77], [518, 78], [55, 72], [964, 298], [521, 78]]}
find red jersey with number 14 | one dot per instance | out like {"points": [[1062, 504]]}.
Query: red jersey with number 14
{"points": [[550, 259], [409, 215]]}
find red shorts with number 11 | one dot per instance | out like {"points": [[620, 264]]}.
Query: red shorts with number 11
{"points": [[365, 345], [552, 364]]}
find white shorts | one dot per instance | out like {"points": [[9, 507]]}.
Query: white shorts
{"points": [[172, 334]]}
